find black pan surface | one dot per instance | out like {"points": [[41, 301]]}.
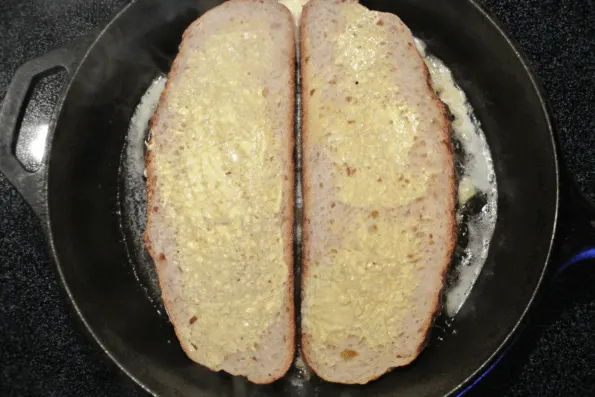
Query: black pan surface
{"points": [[76, 195]]}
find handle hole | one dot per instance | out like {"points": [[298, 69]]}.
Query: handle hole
{"points": [[36, 116]]}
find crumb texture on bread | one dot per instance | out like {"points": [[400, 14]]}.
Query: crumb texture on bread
{"points": [[220, 190], [379, 193]]}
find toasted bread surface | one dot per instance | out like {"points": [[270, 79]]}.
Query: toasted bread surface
{"points": [[220, 190], [379, 193]]}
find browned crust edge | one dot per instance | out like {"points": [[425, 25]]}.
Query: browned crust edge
{"points": [[289, 186], [446, 140]]}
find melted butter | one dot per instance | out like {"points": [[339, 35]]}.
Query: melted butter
{"points": [[479, 176], [361, 164], [221, 189], [466, 190], [295, 7]]}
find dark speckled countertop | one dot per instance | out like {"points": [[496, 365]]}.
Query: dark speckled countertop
{"points": [[42, 349]]}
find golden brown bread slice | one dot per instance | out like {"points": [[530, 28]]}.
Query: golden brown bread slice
{"points": [[220, 190], [379, 193]]}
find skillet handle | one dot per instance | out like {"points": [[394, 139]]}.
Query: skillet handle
{"points": [[31, 185], [575, 237]]}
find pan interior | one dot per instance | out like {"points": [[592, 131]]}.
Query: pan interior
{"points": [[84, 189]]}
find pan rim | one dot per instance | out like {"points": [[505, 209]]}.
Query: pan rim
{"points": [[473, 378], [48, 224], [500, 351]]}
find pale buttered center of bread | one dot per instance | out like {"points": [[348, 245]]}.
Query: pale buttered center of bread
{"points": [[218, 162], [379, 195]]}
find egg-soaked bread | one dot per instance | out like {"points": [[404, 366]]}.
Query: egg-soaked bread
{"points": [[379, 193], [220, 190]]}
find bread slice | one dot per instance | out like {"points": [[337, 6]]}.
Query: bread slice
{"points": [[379, 193], [220, 190]]}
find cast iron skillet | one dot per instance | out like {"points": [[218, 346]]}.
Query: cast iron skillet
{"points": [[75, 195]]}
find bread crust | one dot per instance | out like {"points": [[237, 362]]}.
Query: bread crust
{"points": [[288, 211], [306, 189]]}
